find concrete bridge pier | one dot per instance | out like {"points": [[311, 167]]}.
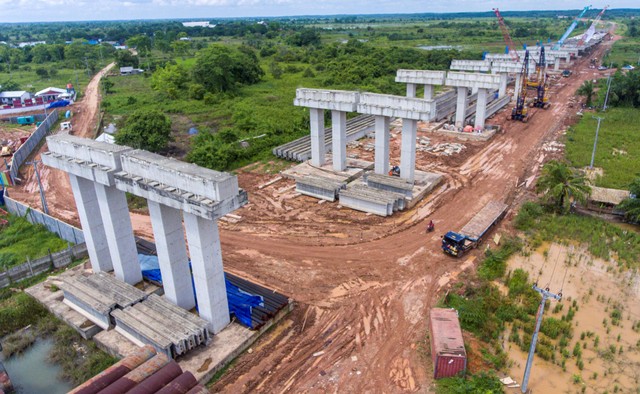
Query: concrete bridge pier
{"points": [[461, 106], [171, 248], [408, 149], [382, 145], [339, 139], [464, 81], [316, 116]]}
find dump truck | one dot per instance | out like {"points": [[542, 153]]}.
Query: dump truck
{"points": [[458, 243]]}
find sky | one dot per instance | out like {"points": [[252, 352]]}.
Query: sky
{"points": [[70, 10]]}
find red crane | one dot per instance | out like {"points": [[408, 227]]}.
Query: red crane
{"points": [[507, 37]]}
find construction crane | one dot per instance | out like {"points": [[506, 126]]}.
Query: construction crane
{"points": [[511, 48], [570, 29], [586, 37], [541, 100], [519, 112]]}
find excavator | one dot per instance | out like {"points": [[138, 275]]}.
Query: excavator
{"points": [[541, 100], [519, 112]]}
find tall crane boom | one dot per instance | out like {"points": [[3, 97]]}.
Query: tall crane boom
{"points": [[592, 29], [507, 37], [570, 29]]}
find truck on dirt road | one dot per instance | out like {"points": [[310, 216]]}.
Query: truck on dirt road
{"points": [[458, 243]]}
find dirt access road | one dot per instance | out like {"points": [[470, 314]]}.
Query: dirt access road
{"points": [[363, 284], [56, 183]]}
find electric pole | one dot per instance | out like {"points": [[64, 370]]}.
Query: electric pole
{"points": [[593, 154], [534, 339], [606, 97], [42, 199]]}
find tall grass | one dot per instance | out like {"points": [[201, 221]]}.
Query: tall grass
{"points": [[618, 149]]}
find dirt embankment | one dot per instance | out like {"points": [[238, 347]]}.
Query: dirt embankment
{"points": [[363, 284]]}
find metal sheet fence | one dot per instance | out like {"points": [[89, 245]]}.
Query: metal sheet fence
{"points": [[34, 267], [21, 155], [63, 230]]}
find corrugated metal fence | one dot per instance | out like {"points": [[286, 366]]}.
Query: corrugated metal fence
{"points": [[43, 264], [21, 155]]}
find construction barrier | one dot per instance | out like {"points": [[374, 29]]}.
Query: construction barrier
{"points": [[23, 152]]}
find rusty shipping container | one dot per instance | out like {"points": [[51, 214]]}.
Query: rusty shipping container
{"points": [[447, 345]]}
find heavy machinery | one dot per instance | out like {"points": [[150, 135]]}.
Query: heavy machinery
{"points": [[471, 235], [519, 112], [586, 37], [570, 29], [541, 100], [540, 66], [511, 48]]}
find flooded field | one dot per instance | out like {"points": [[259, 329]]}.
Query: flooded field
{"points": [[606, 324]]}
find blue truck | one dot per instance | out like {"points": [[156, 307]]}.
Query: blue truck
{"points": [[458, 243]]}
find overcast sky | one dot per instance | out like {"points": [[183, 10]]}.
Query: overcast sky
{"points": [[70, 10]]}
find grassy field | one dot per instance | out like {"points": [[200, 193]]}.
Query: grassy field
{"points": [[21, 239], [618, 150], [624, 51]]}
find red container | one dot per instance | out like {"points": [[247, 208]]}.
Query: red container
{"points": [[447, 345]]}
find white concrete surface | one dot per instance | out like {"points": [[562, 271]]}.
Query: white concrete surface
{"points": [[461, 106], [421, 77], [481, 108], [339, 140], [317, 137], [338, 100], [382, 145], [472, 80], [408, 149], [117, 227], [411, 89], [208, 275], [396, 106], [91, 221], [471, 65], [171, 248]]}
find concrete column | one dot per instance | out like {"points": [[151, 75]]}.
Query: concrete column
{"points": [[461, 107], [518, 85], [117, 227], [504, 77], [481, 108], [92, 226], [382, 145], [339, 140], [411, 90], [208, 274], [408, 149], [474, 90], [317, 136], [428, 92], [172, 254], [556, 64]]}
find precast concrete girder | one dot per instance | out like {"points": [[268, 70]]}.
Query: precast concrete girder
{"points": [[334, 100], [471, 65], [396, 106], [472, 80]]}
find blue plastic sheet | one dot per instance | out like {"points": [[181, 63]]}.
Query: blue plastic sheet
{"points": [[240, 302], [59, 104]]}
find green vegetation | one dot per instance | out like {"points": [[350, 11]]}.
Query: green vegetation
{"points": [[561, 185], [631, 206], [21, 239], [146, 129], [618, 151], [494, 264], [485, 383], [18, 310], [587, 89], [604, 240]]}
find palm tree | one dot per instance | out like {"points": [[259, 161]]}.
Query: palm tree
{"points": [[631, 205], [586, 90], [561, 184]]}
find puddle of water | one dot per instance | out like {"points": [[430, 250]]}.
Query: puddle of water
{"points": [[30, 372]]}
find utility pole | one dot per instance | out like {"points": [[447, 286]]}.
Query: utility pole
{"points": [[545, 295], [44, 201], [606, 97], [593, 154]]}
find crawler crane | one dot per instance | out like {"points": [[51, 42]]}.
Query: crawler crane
{"points": [[541, 100], [519, 112]]}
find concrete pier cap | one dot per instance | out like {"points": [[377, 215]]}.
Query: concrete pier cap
{"points": [[421, 77], [83, 157], [473, 80], [471, 65], [396, 106], [336, 100]]}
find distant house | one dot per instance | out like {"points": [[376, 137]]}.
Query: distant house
{"points": [[185, 38], [51, 94], [130, 71], [30, 44], [120, 47], [197, 24], [14, 97], [605, 200]]}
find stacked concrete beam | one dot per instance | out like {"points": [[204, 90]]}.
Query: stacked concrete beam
{"points": [[390, 183], [372, 200], [410, 110], [339, 102], [428, 78], [102, 208], [319, 187], [203, 196], [464, 81]]}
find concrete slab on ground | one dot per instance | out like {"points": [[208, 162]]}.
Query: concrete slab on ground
{"points": [[485, 135], [355, 169]]}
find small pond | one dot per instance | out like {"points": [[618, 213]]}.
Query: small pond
{"points": [[31, 373]]}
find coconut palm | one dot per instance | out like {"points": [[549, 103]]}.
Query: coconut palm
{"points": [[561, 185], [631, 205], [587, 89]]}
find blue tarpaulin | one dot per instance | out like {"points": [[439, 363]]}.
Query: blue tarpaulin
{"points": [[59, 104], [240, 302]]}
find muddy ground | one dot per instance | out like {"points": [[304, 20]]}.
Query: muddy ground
{"points": [[363, 284]]}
